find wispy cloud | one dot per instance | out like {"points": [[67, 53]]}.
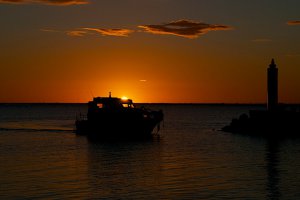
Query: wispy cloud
{"points": [[80, 32], [110, 32], [293, 22], [47, 2], [184, 28], [76, 33]]}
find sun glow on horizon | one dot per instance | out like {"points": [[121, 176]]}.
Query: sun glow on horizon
{"points": [[124, 98]]}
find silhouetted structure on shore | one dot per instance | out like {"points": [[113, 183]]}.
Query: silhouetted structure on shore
{"points": [[272, 86], [274, 121]]}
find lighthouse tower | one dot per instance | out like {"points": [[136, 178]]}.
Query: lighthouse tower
{"points": [[272, 86]]}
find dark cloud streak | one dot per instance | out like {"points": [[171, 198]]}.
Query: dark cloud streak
{"points": [[294, 22], [183, 28]]}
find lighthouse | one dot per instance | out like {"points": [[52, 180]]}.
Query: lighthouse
{"points": [[272, 86]]}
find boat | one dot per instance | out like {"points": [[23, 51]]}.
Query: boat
{"points": [[117, 118]]}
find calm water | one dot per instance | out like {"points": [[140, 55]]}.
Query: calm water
{"points": [[41, 158]]}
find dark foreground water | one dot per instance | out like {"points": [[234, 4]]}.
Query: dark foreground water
{"points": [[41, 158]]}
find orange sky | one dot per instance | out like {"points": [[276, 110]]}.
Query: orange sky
{"points": [[150, 53]]}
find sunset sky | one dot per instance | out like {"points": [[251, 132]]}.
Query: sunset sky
{"points": [[179, 51]]}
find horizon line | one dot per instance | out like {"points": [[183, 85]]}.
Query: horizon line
{"points": [[184, 103]]}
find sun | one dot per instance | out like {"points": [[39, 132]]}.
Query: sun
{"points": [[124, 98]]}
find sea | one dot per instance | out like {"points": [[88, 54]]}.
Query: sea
{"points": [[41, 157]]}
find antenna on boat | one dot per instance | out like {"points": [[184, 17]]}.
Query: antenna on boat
{"points": [[109, 94]]}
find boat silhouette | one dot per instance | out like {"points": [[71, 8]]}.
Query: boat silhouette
{"points": [[116, 118]]}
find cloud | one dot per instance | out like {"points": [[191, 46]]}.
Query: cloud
{"points": [[110, 32], [47, 2], [293, 23], [76, 33], [183, 28], [80, 32]]}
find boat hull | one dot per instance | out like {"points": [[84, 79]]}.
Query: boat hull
{"points": [[116, 130]]}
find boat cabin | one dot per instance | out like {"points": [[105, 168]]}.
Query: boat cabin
{"points": [[110, 103]]}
